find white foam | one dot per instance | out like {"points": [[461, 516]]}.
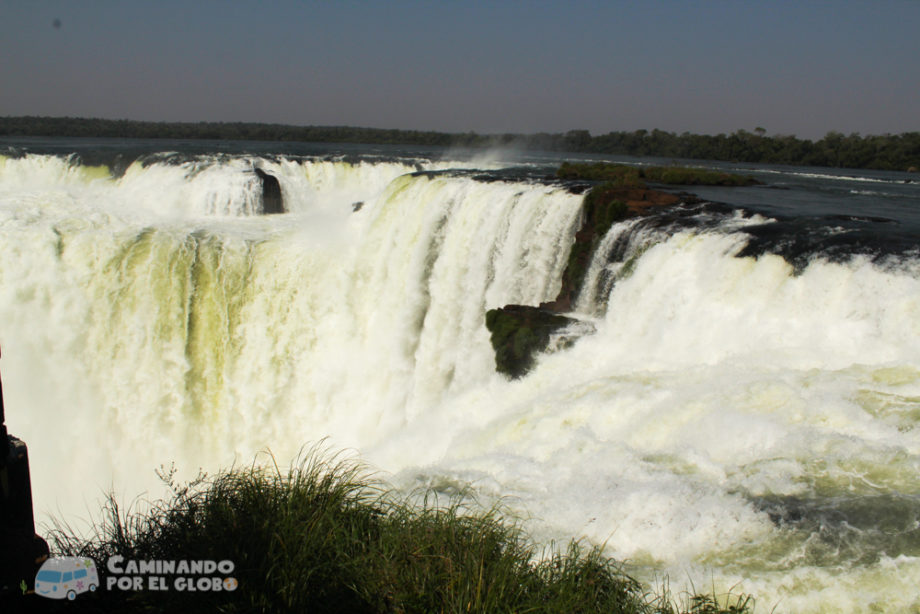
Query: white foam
{"points": [[153, 318]]}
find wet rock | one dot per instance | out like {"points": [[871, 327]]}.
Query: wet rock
{"points": [[603, 206], [271, 193], [519, 332]]}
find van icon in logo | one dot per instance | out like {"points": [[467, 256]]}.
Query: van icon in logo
{"points": [[66, 577]]}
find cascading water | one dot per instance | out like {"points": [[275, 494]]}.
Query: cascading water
{"points": [[733, 418], [195, 333]]}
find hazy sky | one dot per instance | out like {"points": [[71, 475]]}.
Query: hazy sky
{"points": [[799, 67]]}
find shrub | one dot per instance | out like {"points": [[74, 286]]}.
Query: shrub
{"points": [[325, 537]]}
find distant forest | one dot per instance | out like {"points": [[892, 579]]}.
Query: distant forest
{"points": [[884, 152]]}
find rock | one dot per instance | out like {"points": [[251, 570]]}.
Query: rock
{"points": [[519, 332], [604, 205], [271, 193]]}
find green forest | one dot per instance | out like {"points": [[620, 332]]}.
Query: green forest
{"points": [[884, 152]]}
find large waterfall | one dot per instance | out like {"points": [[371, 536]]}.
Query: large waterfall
{"points": [[733, 419]]}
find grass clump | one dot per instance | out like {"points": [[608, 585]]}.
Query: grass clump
{"points": [[631, 176], [324, 537]]}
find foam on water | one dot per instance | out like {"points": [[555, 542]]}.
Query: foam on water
{"points": [[198, 338], [714, 386], [730, 421]]}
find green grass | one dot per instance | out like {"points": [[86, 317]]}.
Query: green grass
{"points": [[632, 176], [325, 537]]}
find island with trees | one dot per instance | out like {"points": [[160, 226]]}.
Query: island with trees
{"points": [[897, 152]]}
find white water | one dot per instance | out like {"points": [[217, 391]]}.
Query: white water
{"points": [[155, 318]]}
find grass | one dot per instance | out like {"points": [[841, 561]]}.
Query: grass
{"points": [[323, 536], [632, 176]]}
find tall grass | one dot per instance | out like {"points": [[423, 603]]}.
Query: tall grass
{"points": [[324, 536]]}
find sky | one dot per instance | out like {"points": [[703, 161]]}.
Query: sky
{"points": [[706, 67]]}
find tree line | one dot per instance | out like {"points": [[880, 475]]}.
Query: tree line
{"points": [[883, 152]]}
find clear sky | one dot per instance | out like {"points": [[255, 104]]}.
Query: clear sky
{"points": [[803, 67]]}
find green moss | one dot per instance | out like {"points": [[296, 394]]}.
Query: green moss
{"points": [[602, 209], [518, 333], [604, 205], [632, 176], [682, 175], [618, 174], [576, 268]]}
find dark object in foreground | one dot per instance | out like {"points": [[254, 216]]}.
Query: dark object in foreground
{"points": [[22, 551], [323, 537]]}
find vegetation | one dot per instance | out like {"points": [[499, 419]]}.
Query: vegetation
{"points": [[323, 537], [635, 176], [602, 207], [886, 152], [236, 131], [518, 332]]}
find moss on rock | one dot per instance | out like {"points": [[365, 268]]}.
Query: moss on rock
{"points": [[634, 176], [519, 332]]}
